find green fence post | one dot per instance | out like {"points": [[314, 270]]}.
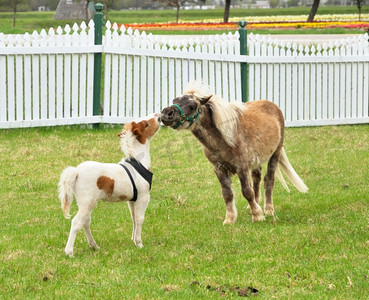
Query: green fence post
{"points": [[98, 20], [243, 51]]}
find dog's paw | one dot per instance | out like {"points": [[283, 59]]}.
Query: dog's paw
{"points": [[139, 245], [69, 252], [95, 247]]}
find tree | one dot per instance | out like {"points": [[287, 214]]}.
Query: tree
{"points": [[177, 4], [14, 5], [227, 6], [360, 4], [313, 10]]}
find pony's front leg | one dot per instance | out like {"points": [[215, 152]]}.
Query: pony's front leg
{"points": [[226, 184], [248, 193], [139, 208]]}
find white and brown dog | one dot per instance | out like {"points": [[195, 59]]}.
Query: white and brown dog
{"points": [[129, 180]]}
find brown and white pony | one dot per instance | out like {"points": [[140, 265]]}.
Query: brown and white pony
{"points": [[237, 138]]}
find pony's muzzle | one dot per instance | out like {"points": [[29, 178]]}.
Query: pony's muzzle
{"points": [[168, 116]]}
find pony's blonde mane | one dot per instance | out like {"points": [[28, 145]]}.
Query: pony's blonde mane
{"points": [[198, 89], [225, 115]]}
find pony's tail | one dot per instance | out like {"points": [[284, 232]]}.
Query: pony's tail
{"points": [[290, 173], [66, 189]]}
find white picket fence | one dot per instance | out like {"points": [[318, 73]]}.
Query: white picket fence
{"points": [[143, 73], [313, 85], [48, 78]]}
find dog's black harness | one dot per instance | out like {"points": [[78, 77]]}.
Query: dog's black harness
{"points": [[145, 173]]}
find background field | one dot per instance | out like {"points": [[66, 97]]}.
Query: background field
{"points": [[316, 248], [29, 21]]}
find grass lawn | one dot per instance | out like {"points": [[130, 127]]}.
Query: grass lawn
{"points": [[317, 248], [30, 21]]}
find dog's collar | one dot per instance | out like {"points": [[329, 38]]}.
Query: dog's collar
{"points": [[145, 173]]}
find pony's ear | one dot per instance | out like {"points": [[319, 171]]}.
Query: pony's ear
{"points": [[205, 99]]}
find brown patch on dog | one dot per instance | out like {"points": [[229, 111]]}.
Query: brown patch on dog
{"points": [[106, 184], [123, 197]]}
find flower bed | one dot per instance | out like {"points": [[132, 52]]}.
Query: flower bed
{"points": [[271, 22]]}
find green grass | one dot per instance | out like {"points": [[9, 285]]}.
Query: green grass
{"points": [[30, 21], [317, 248]]}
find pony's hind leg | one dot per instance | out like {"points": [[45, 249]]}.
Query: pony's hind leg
{"points": [[226, 184], [269, 184], [256, 179], [248, 193]]}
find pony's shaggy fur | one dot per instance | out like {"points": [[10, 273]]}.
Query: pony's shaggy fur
{"points": [[92, 181], [237, 138], [225, 115]]}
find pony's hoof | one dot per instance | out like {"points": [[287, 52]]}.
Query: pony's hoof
{"points": [[269, 211], [258, 218], [69, 252], [231, 218], [228, 221]]}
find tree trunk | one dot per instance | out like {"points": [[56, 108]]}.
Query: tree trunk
{"points": [[14, 16], [313, 10], [178, 13], [226, 11]]}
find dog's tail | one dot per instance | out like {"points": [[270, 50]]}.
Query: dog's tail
{"points": [[290, 173], [66, 189]]}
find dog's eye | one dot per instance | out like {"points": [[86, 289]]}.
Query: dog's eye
{"points": [[147, 124]]}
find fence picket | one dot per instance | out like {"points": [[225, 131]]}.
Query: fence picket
{"points": [[282, 83], [19, 84], [157, 80], [366, 86], [150, 77], [51, 75], [143, 77], [3, 82], [354, 83], [107, 72]]}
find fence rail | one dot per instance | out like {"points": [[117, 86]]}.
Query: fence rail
{"points": [[48, 78]]}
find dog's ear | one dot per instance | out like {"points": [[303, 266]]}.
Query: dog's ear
{"points": [[138, 131]]}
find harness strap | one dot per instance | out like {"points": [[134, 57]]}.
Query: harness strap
{"points": [[133, 183], [146, 174], [185, 118]]}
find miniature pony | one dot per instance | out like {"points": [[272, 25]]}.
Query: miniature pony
{"points": [[237, 138]]}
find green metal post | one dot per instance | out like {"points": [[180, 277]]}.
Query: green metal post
{"points": [[243, 51], [98, 20]]}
